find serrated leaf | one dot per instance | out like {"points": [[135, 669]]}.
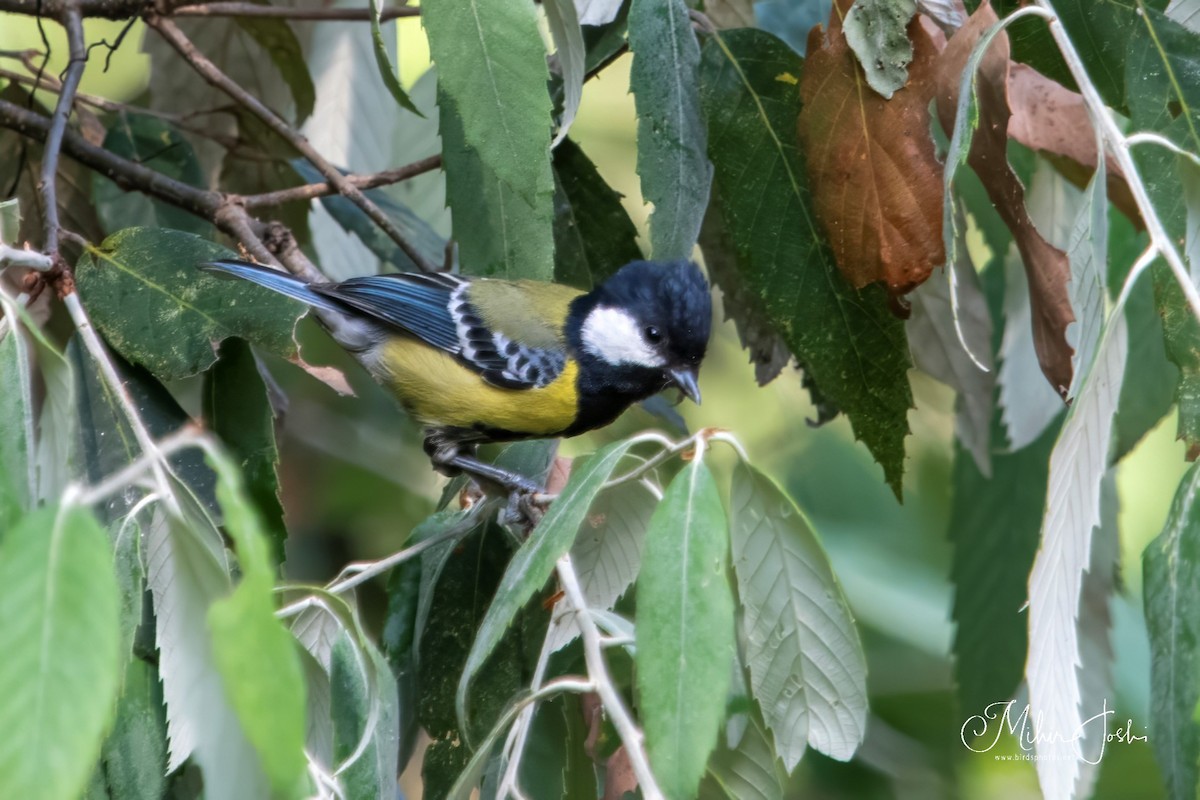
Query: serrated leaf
{"points": [[59, 673], [1185, 12], [492, 66], [387, 70], [354, 702], [283, 48], [994, 525], [187, 572], [607, 552], [1077, 463], [499, 234], [852, 346], [807, 667], [146, 295], [877, 32], [424, 194], [253, 652], [750, 770], [939, 332], [237, 409], [593, 236], [134, 756], [1027, 401], [572, 54], [1171, 568], [684, 629], [1162, 73], [534, 562], [354, 220], [154, 143], [672, 148], [1087, 251]]}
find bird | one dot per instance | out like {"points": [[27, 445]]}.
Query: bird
{"points": [[477, 360]]}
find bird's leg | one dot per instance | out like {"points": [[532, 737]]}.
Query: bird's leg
{"points": [[450, 457]]}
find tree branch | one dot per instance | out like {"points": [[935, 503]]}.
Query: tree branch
{"points": [[224, 9], [370, 181], [47, 184], [215, 77]]}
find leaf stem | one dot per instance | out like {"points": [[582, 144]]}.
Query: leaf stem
{"points": [[253, 10]]}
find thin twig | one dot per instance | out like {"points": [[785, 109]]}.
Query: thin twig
{"points": [[214, 76], [593, 653], [314, 190], [281, 12], [73, 21]]}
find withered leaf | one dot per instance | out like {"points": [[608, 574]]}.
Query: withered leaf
{"points": [[1053, 120], [1045, 265], [877, 183]]}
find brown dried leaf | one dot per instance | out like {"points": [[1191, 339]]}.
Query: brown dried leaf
{"points": [[1053, 120], [1045, 265], [876, 180]]}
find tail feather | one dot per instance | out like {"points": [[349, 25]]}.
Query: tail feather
{"points": [[275, 280]]}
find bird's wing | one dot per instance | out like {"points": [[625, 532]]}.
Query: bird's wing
{"points": [[504, 330]]}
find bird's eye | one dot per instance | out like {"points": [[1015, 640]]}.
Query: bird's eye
{"points": [[652, 334]]}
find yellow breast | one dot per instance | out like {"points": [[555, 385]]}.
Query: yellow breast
{"points": [[438, 390]]}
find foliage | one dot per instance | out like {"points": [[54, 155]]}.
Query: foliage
{"points": [[889, 194]]}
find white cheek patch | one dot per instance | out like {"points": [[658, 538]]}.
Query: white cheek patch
{"points": [[614, 336]]}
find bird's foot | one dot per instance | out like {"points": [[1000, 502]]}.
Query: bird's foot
{"points": [[524, 510]]}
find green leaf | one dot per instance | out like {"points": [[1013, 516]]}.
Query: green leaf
{"points": [[593, 236], [59, 674], [672, 159], [17, 477], [608, 549], [852, 346], [684, 629], [1163, 75], [146, 295], [1171, 568], [533, 564], [1077, 465], [1148, 388], [492, 66], [134, 756], [279, 40], [154, 143], [994, 526], [253, 651], [10, 220], [238, 410], [748, 771], [387, 70], [499, 233], [572, 54], [877, 32], [807, 668], [359, 700], [423, 238]]}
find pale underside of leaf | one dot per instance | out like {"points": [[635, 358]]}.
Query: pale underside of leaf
{"points": [[568, 38], [1077, 464], [1087, 250], [806, 664], [877, 33]]}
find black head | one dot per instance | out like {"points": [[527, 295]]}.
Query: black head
{"points": [[650, 318]]}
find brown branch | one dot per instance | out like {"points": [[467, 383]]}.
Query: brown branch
{"points": [[215, 77], [370, 181], [47, 184], [279, 12], [125, 173]]}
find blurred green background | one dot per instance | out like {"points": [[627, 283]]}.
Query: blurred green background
{"points": [[355, 482]]}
